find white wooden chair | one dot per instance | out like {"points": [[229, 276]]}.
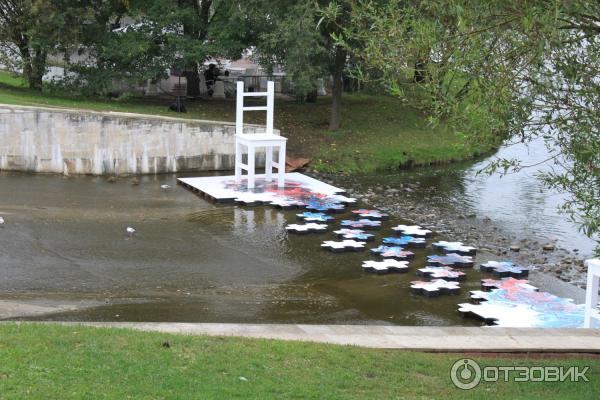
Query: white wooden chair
{"points": [[591, 293], [268, 140]]}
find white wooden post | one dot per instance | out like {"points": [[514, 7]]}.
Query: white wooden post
{"points": [[270, 106], [239, 108], [269, 163], [281, 166], [251, 160], [238, 161], [591, 293]]}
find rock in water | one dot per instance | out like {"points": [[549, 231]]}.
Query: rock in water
{"points": [[549, 247]]}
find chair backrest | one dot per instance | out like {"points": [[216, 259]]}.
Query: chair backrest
{"points": [[240, 108]]}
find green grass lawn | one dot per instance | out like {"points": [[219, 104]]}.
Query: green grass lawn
{"points": [[378, 132], [68, 362]]}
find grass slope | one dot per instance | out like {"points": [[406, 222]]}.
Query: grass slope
{"points": [[60, 362], [378, 132]]}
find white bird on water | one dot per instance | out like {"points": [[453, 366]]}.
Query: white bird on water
{"points": [[165, 187], [1, 221], [130, 231]]}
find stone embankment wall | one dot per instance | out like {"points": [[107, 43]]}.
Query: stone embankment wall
{"points": [[71, 141]]}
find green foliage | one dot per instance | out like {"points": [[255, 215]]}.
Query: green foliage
{"points": [[294, 42], [496, 70]]}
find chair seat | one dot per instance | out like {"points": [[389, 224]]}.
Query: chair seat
{"points": [[260, 137]]}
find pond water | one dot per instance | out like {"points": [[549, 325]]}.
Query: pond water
{"points": [[192, 260], [521, 203], [518, 203]]}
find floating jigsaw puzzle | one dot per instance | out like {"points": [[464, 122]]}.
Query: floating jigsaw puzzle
{"points": [[445, 273], [385, 266], [518, 304], [315, 217], [299, 191], [455, 247], [311, 227], [434, 287], [503, 269], [506, 283], [354, 234], [344, 245], [362, 224], [396, 252], [450, 260], [371, 214], [412, 230], [405, 241]]}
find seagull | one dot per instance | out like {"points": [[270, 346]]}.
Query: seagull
{"points": [[130, 231], [165, 187], [1, 221]]}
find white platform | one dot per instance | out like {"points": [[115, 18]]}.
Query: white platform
{"points": [[299, 189]]}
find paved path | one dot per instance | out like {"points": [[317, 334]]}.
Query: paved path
{"points": [[445, 339]]}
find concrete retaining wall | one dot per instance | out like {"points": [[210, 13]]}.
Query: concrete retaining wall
{"points": [[84, 142]]}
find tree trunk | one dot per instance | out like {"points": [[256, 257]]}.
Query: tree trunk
{"points": [[26, 61], [193, 82], [337, 71], [38, 68]]}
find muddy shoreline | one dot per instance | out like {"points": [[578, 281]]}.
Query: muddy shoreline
{"points": [[419, 204]]}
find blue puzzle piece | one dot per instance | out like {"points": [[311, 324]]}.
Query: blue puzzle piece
{"points": [[405, 241], [451, 260], [325, 205], [371, 214], [361, 224], [355, 234], [504, 269], [315, 217], [395, 252]]}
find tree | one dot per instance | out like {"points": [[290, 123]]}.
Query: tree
{"points": [[161, 34], [292, 41], [295, 35], [31, 29], [498, 71]]}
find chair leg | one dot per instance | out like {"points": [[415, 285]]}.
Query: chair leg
{"points": [[591, 301], [269, 163], [281, 164], [238, 162], [251, 163]]}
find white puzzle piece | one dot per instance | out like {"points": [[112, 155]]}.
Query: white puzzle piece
{"points": [[306, 228], [385, 266], [455, 247], [344, 245], [412, 230], [435, 287]]}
